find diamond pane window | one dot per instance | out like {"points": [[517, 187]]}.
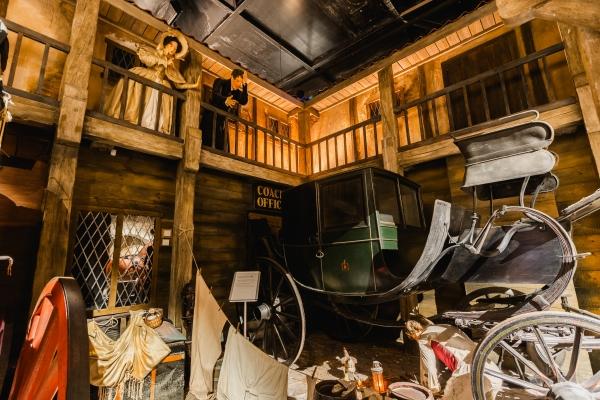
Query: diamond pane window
{"points": [[92, 253], [120, 56], [96, 236], [135, 265]]}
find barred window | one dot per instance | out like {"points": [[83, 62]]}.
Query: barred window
{"points": [[104, 239], [373, 109], [284, 129], [273, 124]]}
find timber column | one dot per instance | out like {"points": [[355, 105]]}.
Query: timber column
{"points": [[388, 120], [183, 220], [304, 124], [52, 253]]}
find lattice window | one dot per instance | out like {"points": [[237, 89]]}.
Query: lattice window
{"points": [[374, 109], [105, 239], [120, 56]]}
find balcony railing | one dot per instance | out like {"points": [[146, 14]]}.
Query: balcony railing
{"points": [[516, 86], [152, 107], [253, 143], [355, 144], [25, 78]]}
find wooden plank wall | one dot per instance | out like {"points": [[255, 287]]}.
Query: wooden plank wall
{"points": [[221, 209]]}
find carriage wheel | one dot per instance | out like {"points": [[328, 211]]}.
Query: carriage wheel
{"points": [[488, 298], [503, 360], [276, 322]]}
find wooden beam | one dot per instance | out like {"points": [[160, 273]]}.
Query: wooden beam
{"points": [[32, 112], [408, 50], [389, 122], [114, 134], [3, 8], [183, 220], [582, 57], [148, 19], [560, 118], [232, 165], [580, 13], [54, 238]]}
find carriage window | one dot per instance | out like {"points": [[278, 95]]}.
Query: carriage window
{"points": [[410, 206], [342, 203], [103, 239], [386, 199]]}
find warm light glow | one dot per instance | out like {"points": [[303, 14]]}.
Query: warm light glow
{"points": [[378, 382]]}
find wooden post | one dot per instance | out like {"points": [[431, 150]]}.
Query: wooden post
{"points": [[52, 253], [584, 64], [185, 185], [3, 8], [304, 126], [388, 120]]}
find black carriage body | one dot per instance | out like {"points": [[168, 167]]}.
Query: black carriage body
{"points": [[355, 234]]}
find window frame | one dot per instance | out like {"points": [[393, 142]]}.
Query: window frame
{"points": [[112, 284]]}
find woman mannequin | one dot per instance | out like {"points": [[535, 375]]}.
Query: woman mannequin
{"points": [[160, 67]]}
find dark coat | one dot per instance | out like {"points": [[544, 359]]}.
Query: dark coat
{"points": [[220, 91]]}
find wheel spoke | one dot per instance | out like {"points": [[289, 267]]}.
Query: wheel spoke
{"points": [[287, 301], [552, 363], [287, 328], [515, 381], [278, 288], [575, 353], [281, 342], [287, 315], [519, 357]]}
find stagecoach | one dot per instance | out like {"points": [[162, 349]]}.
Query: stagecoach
{"points": [[359, 241]]}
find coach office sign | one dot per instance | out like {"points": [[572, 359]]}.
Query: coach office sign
{"points": [[267, 197]]}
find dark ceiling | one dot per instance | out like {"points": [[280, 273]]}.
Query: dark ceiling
{"points": [[305, 46]]}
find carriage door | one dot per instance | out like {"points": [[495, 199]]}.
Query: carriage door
{"points": [[345, 236]]}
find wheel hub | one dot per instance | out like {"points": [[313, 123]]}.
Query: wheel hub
{"points": [[263, 312]]}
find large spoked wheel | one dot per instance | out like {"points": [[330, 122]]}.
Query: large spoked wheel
{"points": [[504, 363], [276, 322]]}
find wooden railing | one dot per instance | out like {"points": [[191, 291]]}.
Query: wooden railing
{"points": [[355, 144], [147, 111], [518, 85], [248, 141], [21, 80]]}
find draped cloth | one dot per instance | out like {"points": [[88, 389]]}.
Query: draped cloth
{"points": [[249, 374], [458, 349], [206, 340], [127, 360]]}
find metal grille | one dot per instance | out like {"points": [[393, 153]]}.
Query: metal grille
{"points": [[135, 264], [92, 252]]}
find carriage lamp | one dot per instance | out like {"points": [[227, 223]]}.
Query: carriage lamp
{"points": [[377, 374]]}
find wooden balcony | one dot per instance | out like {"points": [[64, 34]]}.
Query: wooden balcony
{"points": [[427, 125]]}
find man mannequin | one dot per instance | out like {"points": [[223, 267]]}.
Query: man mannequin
{"points": [[227, 95]]}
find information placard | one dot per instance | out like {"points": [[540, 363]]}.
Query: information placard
{"points": [[244, 287]]}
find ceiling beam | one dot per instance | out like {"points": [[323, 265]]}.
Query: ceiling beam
{"points": [[390, 28], [452, 27], [263, 31]]}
